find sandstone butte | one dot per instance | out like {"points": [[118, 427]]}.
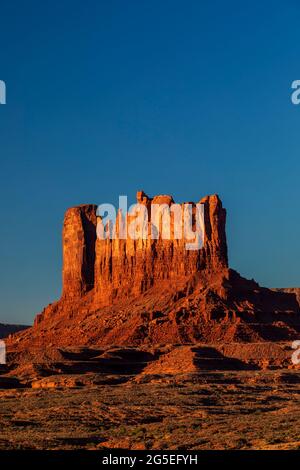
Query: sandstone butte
{"points": [[148, 292]]}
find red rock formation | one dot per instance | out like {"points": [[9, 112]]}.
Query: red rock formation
{"points": [[155, 291]]}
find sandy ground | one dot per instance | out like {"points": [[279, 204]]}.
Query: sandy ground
{"points": [[205, 410]]}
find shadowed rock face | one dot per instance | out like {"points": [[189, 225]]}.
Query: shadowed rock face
{"points": [[155, 291]]}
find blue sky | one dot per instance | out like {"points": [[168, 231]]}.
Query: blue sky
{"points": [[182, 97]]}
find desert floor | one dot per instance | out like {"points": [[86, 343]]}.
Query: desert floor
{"points": [[196, 409]]}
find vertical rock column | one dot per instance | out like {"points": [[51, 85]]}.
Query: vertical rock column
{"points": [[215, 256], [79, 238]]}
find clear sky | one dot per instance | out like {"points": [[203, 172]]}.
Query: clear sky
{"points": [[182, 97]]}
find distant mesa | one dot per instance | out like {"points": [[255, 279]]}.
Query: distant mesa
{"points": [[6, 330]]}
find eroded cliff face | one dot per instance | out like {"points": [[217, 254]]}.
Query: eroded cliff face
{"points": [[116, 268], [131, 267]]}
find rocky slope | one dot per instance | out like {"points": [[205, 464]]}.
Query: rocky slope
{"points": [[146, 291]]}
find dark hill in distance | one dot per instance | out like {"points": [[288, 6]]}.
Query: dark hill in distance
{"points": [[6, 330]]}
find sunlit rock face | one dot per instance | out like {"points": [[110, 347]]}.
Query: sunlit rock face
{"points": [[118, 267], [127, 266]]}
